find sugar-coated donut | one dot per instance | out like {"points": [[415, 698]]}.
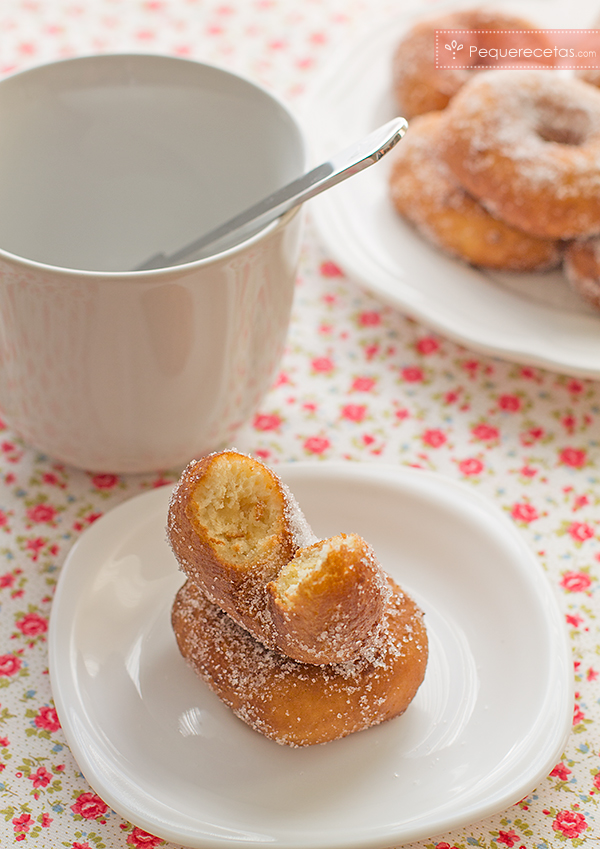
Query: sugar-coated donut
{"points": [[327, 603], [305, 640], [527, 145], [300, 704], [232, 525], [418, 85], [582, 269], [426, 193]]}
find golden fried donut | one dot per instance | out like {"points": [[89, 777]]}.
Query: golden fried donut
{"points": [[300, 704], [527, 145], [426, 193], [418, 85], [582, 269], [327, 603], [232, 525]]}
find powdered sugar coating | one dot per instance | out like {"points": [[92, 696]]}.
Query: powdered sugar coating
{"points": [[526, 144], [300, 704], [302, 532]]}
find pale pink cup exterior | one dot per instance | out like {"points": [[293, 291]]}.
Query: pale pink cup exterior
{"points": [[128, 373]]}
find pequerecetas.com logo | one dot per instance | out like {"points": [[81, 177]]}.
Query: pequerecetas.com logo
{"points": [[576, 49], [454, 47]]}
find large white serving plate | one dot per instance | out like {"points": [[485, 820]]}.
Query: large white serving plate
{"points": [[489, 722], [528, 318]]}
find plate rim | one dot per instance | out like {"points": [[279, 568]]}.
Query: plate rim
{"points": [[377, 838]]}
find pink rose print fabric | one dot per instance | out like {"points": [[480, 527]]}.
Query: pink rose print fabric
{"points": [[358, 382]]}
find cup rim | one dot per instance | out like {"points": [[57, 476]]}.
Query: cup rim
{"points": [[151, 273], [132, 274]]}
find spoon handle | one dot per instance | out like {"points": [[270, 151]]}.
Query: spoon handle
{"points": [[349, 161]]}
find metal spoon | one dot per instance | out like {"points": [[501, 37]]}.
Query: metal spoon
{"points": [[350, 161]]}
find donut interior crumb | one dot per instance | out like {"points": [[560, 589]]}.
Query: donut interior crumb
{"points": [[242, 509], [307, 563]]}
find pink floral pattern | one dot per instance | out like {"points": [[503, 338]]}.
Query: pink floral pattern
{"points": [[358, 382]]}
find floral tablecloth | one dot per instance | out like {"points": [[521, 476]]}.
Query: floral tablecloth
{"points": [[359, 381]]}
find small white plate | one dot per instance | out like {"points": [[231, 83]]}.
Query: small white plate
{"points": [[528, 318], [489, 722]]}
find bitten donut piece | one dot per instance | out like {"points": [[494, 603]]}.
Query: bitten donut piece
{"points": [[427, 194], [582, 269], [327, 603], [300, 704], [232, 525], [527, 145], [419, 86]]}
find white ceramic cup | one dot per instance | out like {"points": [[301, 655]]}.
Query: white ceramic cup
{"points": [[104, 161]]}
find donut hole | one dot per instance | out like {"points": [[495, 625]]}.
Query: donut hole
{"points": [[568, 125], [239, 503]]}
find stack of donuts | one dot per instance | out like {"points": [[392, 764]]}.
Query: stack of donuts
{"points": [[305, 640], [500, 168]]}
